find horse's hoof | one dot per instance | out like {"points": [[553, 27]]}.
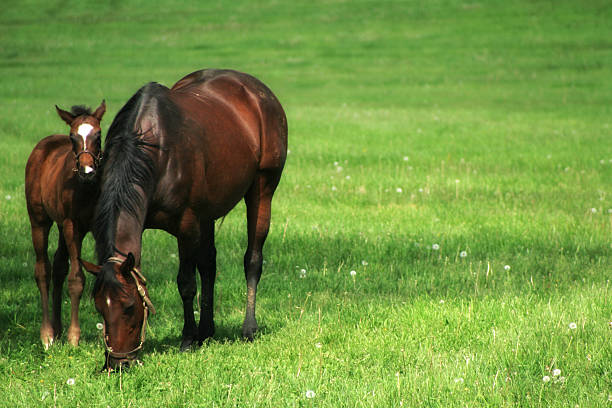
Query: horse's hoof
{"points": [[248, 332], [187, 345]]}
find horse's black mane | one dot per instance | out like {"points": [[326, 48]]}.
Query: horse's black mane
{"points": [[127, 171], [79, 110]]}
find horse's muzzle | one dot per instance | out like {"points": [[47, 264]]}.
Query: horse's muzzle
{"points": [[113, 364]]}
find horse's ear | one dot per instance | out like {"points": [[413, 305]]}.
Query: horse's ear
{"points": [[89, 267], [128, 265], [65, 115], [100, 111]]}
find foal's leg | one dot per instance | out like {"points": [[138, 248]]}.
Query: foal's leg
{"points": [[42, 273], [207, 266], [60, 270], [187, 288], [258, 202], [76, 279]]}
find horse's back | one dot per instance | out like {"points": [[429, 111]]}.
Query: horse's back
{"points": [[44, 170], [253, 102]]}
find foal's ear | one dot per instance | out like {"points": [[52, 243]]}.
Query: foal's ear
{"points": [[100, 111], [89, 267], [65, 115], [128, 265]]}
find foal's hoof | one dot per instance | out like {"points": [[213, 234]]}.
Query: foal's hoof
{"points": [[47, 337], [74, 335]]}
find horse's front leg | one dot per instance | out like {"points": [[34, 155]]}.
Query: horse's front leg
{"points": [[58, 275], [207, 266], [187, 288], [76, 278], [42, 273]]}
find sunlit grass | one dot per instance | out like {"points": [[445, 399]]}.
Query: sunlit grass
{"points": [[441, 235]]}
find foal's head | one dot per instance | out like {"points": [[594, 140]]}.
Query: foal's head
{"points": [[86, 138], [121, 297]]}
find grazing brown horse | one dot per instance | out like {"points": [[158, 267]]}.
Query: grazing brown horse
{"points": [[61, 186], [178, 159]]}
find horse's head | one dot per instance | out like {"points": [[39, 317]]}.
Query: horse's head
{"points": [[121, 296], [86, 138]]}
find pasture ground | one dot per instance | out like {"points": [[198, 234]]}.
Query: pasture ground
{"points": [[456, 155]]}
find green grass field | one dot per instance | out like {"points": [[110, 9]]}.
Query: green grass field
{"points": [[457, 155]]}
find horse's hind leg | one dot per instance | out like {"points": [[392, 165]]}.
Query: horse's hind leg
{"points": [[42, 274], [60, 270], [258, 202], [76, 278], [207, 265]]}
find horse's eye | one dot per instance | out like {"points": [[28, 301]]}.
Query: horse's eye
{"points": [[129, 310]]}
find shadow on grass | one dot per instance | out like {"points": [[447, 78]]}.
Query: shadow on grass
{"points": [[396, 267]]}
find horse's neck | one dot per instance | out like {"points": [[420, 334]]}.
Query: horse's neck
{"points": [[128, 235]]}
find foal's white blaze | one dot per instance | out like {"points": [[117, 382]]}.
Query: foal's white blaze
{"points": [[88, 169], [84, 130], [108, 301]]}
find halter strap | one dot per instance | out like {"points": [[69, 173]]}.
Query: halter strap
{"points": [[146, 304], [96, 159]]}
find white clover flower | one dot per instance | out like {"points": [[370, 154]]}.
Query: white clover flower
{"points": [[318, 345], [507, 267], [420, 190], [353, 273], [463, 254], [8, 197], [406, 158], [441, 301], [573, 326], [339, 169], [334, 188], [594, 210], [348, 177], [556, 372], [459, 380], [457, 181], [70, 381], [546, 378], [335, 163], [399, 190], [302, 273], [310, 394], [99, 326], [364, 263], [288, 151], [435, 247]]}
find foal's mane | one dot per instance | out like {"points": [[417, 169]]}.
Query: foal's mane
{"points": [[128, 169], [81, 110]]}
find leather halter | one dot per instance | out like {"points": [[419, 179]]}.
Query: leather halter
{"points": [[95, 158], [146, 304]]}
